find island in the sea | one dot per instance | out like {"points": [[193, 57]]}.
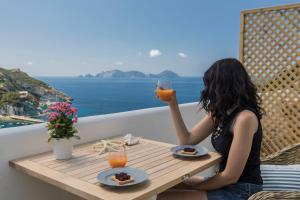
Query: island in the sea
{"points": [[24, 97], [131, 74]]}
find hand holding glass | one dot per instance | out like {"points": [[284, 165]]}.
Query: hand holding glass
{"points": [[164, 90]]}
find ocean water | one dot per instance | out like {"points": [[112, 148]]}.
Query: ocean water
{"points": [[13, 123], [94, 96]]}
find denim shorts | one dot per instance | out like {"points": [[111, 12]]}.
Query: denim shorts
{"points": [[238, 191]]}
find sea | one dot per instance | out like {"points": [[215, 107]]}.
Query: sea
{"points": [[95, 96]]}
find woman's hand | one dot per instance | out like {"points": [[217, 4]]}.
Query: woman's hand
{"points": [[191, 183], [195, 180]]}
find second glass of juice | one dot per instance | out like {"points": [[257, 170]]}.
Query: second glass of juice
{"points": [[117, 156], [164, 90]]}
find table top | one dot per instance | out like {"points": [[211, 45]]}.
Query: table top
{"points": [[79, 174]]}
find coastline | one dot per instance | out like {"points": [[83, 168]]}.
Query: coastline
{"points": [[13, 121]]}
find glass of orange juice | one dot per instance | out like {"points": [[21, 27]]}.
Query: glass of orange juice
{"points": [[117, 156], [164, 90]]}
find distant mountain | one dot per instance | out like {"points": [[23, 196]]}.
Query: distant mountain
{"points": [[165, 74], [89, 76], [131, 74], [21, 94], [121, 74]]}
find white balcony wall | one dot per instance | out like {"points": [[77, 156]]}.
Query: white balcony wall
{"points": [[153, 123]]}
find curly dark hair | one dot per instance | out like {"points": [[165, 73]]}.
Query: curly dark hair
{"points": [[227, 87]]}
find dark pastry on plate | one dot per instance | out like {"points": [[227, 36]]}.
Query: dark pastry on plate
{"points": [[122, 178], [188, 151]]}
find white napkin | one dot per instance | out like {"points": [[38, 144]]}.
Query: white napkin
{"points": [[129, 139]]}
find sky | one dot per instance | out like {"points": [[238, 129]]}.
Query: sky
{"points": [[73, 37]]}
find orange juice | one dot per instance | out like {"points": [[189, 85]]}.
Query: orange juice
{"points": [[117, 159], [165, 94]]}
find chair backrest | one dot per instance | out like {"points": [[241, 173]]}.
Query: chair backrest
{"points": [[269, 49]]}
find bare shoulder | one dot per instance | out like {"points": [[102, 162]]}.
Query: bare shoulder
{"points": [[247, 115], [247, 120]]}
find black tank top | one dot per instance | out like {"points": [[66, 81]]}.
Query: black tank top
{"points": [[221, 140]]}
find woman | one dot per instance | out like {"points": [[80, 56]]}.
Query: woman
{"points": [[233, 120]]}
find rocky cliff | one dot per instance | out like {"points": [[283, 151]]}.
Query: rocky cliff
{"points": [[21, 94]]}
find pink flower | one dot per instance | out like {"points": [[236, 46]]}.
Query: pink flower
{"points": [[62, 110], [52, 116], [73, 110], [75, 120]]}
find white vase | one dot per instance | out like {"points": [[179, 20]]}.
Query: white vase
{"points": [[62, 148]]}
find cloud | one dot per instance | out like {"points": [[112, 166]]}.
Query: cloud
{"points": [[140, 53], [29, 63], [119, 63], [154, 53], [182, 55]]}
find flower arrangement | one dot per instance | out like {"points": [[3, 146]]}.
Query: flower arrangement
{"points": [[61, 119]]}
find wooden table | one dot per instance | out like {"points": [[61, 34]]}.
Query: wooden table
{"points": [[78, 175]]}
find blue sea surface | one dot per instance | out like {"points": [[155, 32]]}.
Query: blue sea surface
{"points": [[95, 96], [13, 123]]}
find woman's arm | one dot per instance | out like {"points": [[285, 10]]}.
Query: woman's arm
{"points": [[198, 133], [243, 132]]}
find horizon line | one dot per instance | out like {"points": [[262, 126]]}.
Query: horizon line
{"points": [[70, 76]]}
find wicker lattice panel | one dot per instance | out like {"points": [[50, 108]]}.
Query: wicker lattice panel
{"points": [[270, 40]]}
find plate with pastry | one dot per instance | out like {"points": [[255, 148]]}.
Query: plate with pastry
{"points": [[122, 177], [189, 151]]}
